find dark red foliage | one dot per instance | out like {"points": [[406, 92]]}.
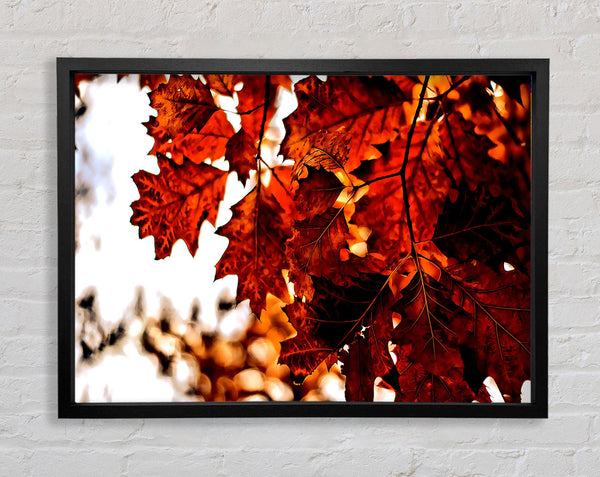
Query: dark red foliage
{"points": [[402, 226]]}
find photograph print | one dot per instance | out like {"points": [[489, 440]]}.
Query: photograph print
{"points": [[251, 237]]}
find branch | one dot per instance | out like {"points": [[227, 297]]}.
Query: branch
{"points": [[259, 162], [411, 132], [402, 172]]}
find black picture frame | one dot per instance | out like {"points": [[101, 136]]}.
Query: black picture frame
{"points": [[68, 67]]}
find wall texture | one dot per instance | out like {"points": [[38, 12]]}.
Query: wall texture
{"points": [[33, 33]]}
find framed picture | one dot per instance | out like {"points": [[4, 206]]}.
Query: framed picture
{"points": [[302, 237]]}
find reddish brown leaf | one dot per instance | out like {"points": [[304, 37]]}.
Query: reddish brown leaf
{"points": [[335, 318], [498, 303], [512, 85], [209, 143], [415, 384], [256, 233], [316, 193], [432, 173], [481, 227], [183, 105], [432, 324], [382, 209], [222, 84], [328, 151], [317, 243], [357, 366], [241, 154], [305, 351], [369, 109], [406, 83], [152, 81], [252, 98], [174, 203], [280, 184]]}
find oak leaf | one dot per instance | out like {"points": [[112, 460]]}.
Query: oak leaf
{"points": [[222, 84], [334, 319], [241, 152], [306, 350], [368, 108], [183, 105], [209, 143], [257, 233], [258, 92], [152, 81], [174, 203]]}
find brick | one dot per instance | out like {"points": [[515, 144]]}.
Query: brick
{"points": [[162, 461], [574, 312], [27, 283], [15, 461], [575, 166], [593, 128], [568, 127], [380, 17], [330, 16], [575, 351], [547, 462], [575, 279], [585, 49], [17, 316], [574, 204], [575, 430], [466, 462], [86, 17], [587, 461], [62, 461], [575, 388], [42, 15], [29, 354]]}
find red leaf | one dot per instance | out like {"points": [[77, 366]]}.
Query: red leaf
{"points": [[209, 143], [241, 154], [367, 108], [305, 351], [252, 97], [415, 384], [174, 203], [316, 193], [222, 84], [328, 151], [317, 243], [256, 233], [336, 317], [183, 105], [357, 365], [152, 81]]}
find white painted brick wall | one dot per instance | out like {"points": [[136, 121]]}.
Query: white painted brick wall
{"points": [[33, 442]]}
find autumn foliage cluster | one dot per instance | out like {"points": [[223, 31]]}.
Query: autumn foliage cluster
{"points": [[394, 228]]}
